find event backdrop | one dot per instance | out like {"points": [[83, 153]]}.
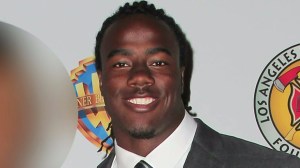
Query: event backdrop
{"points": [[233, 42]]}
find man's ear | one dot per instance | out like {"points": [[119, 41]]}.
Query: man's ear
{"points": [[182, 78], [100, 79]]}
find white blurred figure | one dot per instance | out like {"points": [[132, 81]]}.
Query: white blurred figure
{"points": [[38, 110], [13, 126]]}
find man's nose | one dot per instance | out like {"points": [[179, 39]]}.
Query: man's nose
{"points": [[140, 77]]}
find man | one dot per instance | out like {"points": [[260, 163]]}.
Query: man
{"points": [[145, 62]]}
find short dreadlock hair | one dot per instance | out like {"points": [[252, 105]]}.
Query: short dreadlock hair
{"points": [[185, 49]]}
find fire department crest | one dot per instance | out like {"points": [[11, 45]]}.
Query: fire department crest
{"points": [[277, 101], [93, 121]]}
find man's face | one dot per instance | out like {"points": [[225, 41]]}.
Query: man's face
{"points": [[141, 76]]}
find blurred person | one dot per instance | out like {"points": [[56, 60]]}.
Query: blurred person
{"points": [[36, 102], [13, 110]]}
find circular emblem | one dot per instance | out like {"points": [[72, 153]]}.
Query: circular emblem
{"points": [[277, 101], [93, 121]]}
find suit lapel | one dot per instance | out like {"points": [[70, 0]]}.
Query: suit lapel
{"points": [[107, 162], [203, 151], [205, 143]]}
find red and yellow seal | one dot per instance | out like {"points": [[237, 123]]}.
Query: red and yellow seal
{"points": [[277, 101]]}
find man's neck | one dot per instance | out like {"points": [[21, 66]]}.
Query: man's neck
{"points": [[143, 147]]}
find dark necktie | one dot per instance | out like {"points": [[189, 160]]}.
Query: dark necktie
{"points": [[142, 164]]}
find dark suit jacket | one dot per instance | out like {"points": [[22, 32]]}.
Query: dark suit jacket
{"points": [[213, 150]]}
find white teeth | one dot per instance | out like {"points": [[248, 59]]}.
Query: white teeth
{"points": [[141, 101]]}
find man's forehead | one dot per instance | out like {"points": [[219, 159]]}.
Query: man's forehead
{"points": [[138, 23], [138, 28]]}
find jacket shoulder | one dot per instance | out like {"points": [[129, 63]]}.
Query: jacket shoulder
{"points": [[235, 152]]}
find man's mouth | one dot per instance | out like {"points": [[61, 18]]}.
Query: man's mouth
{"points": [[141, 101]]}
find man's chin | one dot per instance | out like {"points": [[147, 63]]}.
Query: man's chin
{"points": [[141, 133]]}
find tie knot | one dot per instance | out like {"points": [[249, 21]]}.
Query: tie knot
{"points": [[142, 164]]}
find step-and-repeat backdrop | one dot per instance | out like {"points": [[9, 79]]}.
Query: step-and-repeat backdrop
{"points": [[246, 65]]}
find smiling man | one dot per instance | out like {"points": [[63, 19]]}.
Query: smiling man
{"points": [[145, 62]]}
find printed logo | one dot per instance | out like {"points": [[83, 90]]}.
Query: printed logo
{"points": [[277, 101], [93, 121]]}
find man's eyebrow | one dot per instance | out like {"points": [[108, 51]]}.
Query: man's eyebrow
{"points": [[120, 51], [156, 50]]}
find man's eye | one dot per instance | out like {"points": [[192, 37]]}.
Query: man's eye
{"points": [[159, 63], [120, 65]]}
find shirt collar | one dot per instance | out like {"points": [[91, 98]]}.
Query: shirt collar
{"points": [[124, 158], [168, 153]]}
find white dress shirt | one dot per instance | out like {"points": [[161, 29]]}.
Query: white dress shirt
{"points": [[171, 153]]}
